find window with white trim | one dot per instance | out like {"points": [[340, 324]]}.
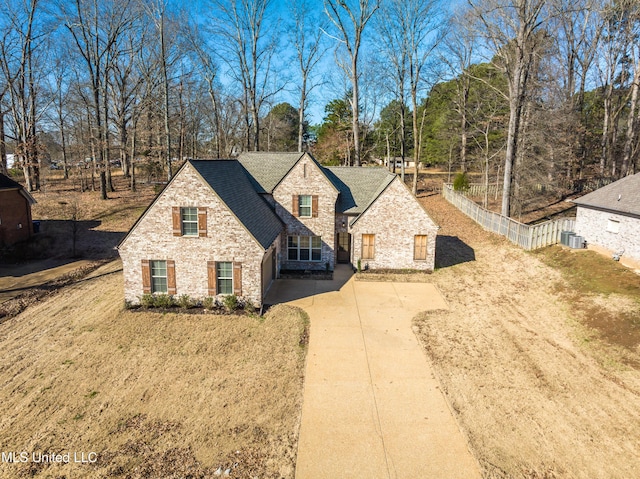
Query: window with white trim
{"points": [[158, 276], [304, 248], [613, 226], [224, 274], [189, 217], [304, 206]]}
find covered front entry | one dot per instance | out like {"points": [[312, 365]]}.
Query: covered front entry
{"points": [[344, 248]]}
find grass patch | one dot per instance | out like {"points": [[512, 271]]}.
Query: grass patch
{"points": [[154, 394], [605, 295], [590, 272]]}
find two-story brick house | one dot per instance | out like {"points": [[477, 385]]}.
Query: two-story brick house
{"points": [[230, 226]]}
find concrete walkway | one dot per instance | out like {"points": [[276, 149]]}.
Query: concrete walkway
{"points": [[372, 407]]}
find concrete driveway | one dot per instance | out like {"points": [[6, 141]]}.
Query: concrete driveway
{"points": [[372, 407]]}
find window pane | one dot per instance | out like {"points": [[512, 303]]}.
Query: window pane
{"points": [[225, 277], [304, 205], [316, 241], [293, 254], [225, 286], [316, 254], [225, 270], [189, 214], [304, 242], [158, 268], [305, 200], [159, 285], [304, 255], [189, 221], [292, 241], [158, 276]]}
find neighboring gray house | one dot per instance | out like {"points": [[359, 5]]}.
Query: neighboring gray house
{"points": [[610, 217], [230, 226]]}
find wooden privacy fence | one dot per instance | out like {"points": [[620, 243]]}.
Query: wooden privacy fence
{"points": [[526, 236]]}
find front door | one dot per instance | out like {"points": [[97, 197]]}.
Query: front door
{"points": [[344, 248]]}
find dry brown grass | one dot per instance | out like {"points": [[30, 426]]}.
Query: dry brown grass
{"points": [[155, 395], [537, 390]]}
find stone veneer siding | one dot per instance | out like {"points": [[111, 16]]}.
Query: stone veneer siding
{"points": [[315, 183], [226, 240], [395, 218], [592, 225]]}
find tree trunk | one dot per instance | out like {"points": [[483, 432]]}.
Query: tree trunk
{"points": [[355, 112], [3, 146], [632, 123]]}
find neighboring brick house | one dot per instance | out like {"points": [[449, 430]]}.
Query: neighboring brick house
{"points": [[231, 226], [610, 217], [15, 212]]}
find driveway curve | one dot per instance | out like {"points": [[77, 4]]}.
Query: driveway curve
{"points": [[372, 407]]}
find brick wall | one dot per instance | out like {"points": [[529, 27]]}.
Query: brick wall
{"points": [[226, 240], [592, 225], [395, 218], [314, 183], [15, 217]]}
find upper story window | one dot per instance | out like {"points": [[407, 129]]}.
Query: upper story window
{"points": [[189, 221], [189, 218], [304, 206]]}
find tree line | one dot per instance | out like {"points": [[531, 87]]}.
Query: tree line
{"points": [[524, 92]]}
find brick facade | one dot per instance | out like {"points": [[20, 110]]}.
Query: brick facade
{"points": [[226, 240], [306, 178], [15, 217], [593, 225], [394, 218]]}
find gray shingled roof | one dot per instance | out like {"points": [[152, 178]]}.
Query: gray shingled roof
{"points": [[230, 182], [359, 187], [8, 183], [267, 169], [621, 196]]}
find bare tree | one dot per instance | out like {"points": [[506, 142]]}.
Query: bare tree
{"points": [[248, 47], [577, 25], [350, 21], [96, 30], [509, 28], [18, 62], [307, 38]]}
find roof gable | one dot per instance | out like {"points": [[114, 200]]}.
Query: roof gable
{"points": [[266, 170], [229, 181], [622, 196], [359, 186]]}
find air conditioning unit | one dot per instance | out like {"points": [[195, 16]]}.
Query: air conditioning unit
{"points": [[564, 237], [576, 242]]}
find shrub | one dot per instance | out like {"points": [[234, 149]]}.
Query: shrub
{"points": [[208, 303], [128, 304], [185, 301], [230, 302], [359, 265], [147, 300], [163, 301], [461, 182], [249, 306]]}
